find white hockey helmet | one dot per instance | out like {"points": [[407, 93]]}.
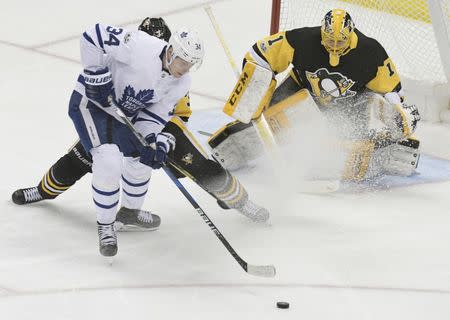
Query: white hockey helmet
{"points": [[187, 45]]}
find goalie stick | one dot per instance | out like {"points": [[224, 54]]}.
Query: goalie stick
{"points": [[263, 128], [256, 270]]}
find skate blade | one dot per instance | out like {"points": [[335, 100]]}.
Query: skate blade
{"points": [[131, 228]]}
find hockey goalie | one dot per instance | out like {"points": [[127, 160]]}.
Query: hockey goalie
{"points": [[339, 80]]}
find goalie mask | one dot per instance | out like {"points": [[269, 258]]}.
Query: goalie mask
{"points": [[156, 27], [338, 35], [186, 45]]}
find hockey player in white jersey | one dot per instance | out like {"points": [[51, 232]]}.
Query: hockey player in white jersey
{"points": [[146, 77], [188, 155]]}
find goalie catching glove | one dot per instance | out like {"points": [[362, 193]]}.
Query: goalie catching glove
{"points": [[155, 154], [407, 115]]}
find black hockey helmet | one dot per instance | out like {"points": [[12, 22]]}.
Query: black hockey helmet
{"points": [[338, 35], [156, 27]]}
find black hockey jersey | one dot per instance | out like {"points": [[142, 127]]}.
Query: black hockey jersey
{"points": [[367, 65]]}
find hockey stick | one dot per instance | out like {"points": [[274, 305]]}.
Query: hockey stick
{"points": [[260, 124], [261, 271]]}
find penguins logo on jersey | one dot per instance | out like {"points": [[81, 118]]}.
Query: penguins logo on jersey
{"points": [[330, 87], [188, 158]]}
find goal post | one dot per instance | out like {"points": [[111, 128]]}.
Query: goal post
{"points": [[440, 15], [415, 33], [275, 16]]}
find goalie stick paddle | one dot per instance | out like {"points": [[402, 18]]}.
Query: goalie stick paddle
{"points": [[256, 270]]}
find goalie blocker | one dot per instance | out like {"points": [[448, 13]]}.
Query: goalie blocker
{"points": [[237, 143], [252, 93]]}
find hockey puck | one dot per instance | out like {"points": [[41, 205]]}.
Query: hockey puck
{"points": [[283, 305]]}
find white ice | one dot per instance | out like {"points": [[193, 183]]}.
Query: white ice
{"points": [[382, 255]]}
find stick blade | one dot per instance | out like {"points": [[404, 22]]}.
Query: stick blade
{"points": [[262, 271]]}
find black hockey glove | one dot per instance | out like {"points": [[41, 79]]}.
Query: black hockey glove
{"points": [[155, 155], [99, 85]]}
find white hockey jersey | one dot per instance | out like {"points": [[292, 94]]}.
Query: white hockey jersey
{"points": [[142, 88]]}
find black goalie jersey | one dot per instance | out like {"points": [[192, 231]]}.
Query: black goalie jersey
{"points": [[366, 65]]}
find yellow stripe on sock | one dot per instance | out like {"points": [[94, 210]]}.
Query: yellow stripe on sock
{"points": [[46, 190], [230, 190], [53, 185], [238, 198]]}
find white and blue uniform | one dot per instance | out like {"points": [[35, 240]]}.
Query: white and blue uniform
{"points": [[145, 93]]}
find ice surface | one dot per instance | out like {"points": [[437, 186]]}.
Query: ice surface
{"points": [[373, 255]]}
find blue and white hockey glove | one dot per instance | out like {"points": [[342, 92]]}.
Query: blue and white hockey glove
{"points": [[155, 155], [99, 85]]}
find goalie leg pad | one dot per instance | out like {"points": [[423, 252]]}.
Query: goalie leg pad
{"points": [[208, 173], [402, 157], [359, 160], [234, 145], [366, 162]]}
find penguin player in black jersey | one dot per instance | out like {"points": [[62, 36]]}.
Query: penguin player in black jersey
{"points": [[338, 65]]}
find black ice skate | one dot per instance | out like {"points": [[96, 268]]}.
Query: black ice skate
{"points": [[107, 239], [254, 212], [26, 196], [136, 220]]}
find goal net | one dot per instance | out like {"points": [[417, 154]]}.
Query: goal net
{"points": [[415, 33]]}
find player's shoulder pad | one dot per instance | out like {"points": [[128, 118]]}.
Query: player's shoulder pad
{"points": [[303, 35], [147, 48], [370, 46], [147, 41]]}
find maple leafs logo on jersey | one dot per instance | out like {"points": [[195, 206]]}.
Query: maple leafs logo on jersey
{"points": [[130, 102], [183, 34]]}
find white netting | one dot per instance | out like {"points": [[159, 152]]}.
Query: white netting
{"points": [[403, 27]]}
